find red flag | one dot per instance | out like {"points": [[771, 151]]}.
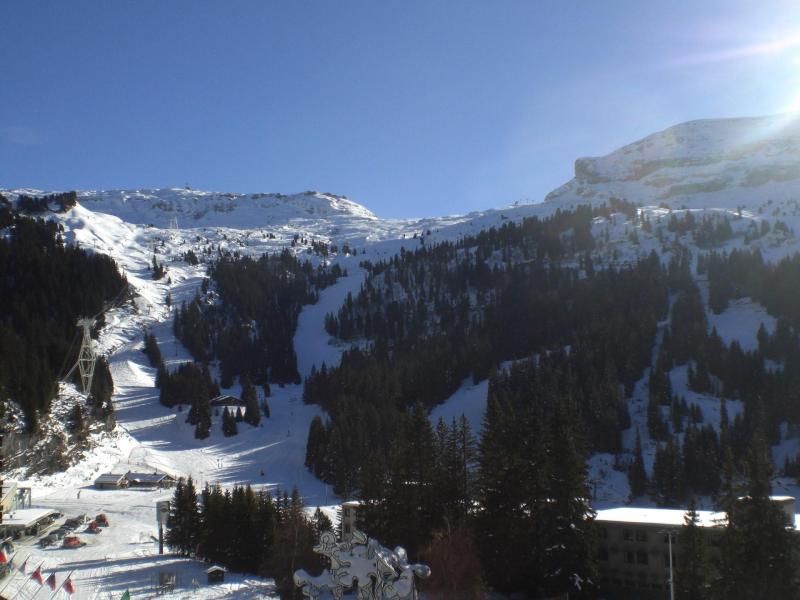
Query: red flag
{"points": [[3, 558], [23, 566], [37, 575], [51, 581], [68, 587]]}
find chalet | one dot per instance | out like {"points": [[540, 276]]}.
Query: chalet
{"points": [[111, 481], [149, 480], [216, 574], [227, 400]]}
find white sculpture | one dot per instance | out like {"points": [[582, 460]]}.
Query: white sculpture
{"points": [[361, 568]]}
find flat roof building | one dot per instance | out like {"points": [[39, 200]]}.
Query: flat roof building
{"points": [[349, 518], [636, 546], [26, 521]]}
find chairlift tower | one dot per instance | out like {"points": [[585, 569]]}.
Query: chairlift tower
{"points": [[86, 358]]}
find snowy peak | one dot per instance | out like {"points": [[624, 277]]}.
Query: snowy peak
{"points": [[195, 208], [727, 159]]}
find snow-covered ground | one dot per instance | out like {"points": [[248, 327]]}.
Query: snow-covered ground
{"points": [[746, 169]]}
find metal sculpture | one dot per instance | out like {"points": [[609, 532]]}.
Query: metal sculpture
{"points": [[361, 568]]}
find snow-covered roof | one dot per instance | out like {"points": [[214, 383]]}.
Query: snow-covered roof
{"points": [[658, 516], [26, 517], [226, 400], [146, 477], [110, 478], [216, 568]]}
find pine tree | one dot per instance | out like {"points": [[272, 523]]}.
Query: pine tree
{"points": [[252, 414], [77, 424], [229, 425], [758, 549], [571, 566], [668, 474], [183, 523], [693, 579], [151, 350], [504, 493], [637, 476], [321, 522]]}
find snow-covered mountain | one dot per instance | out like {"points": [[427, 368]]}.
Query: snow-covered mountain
{"points": [[719, 163], [748, 169]]}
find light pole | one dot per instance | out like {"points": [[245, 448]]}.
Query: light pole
{"points": [[671, 576], [671, 580]]}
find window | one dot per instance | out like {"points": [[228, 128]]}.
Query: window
{"points": [[602, 533], [346, 512], [630, 558], [627, 535], [347, 527], [641, 557], [641, 535], [602, 553]]}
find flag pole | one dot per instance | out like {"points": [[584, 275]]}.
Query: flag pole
{"points": [[58, 589], [29, 579], [39, 590], [11, 576], [24, 585]]}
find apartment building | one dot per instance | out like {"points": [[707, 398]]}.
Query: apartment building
{"points": [[637, 547]]}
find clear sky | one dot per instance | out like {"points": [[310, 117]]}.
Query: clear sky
{"points": [[411, 108]]}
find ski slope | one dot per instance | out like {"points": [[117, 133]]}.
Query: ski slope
{"points": [[748, 169]]}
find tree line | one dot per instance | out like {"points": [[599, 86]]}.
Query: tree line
{"points": [[46, 285], [246, 531], [602, 322], [250, 326]]}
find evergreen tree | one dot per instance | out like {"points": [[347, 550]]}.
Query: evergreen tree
{"points": [[183, 523], [252, 414], [151, 349], [571, 566], [693, 580], [229, 425], [668, 474], [501, 523], [77, 424], [758, 549], [637, 476], [102, 407]]}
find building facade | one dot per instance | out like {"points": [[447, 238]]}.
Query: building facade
{"points": [[638, 548]]}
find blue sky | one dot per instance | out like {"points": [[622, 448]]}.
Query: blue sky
{"points": [[411, 108]]}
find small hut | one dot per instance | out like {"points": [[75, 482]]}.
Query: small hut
{"points": [[216, 574]]}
